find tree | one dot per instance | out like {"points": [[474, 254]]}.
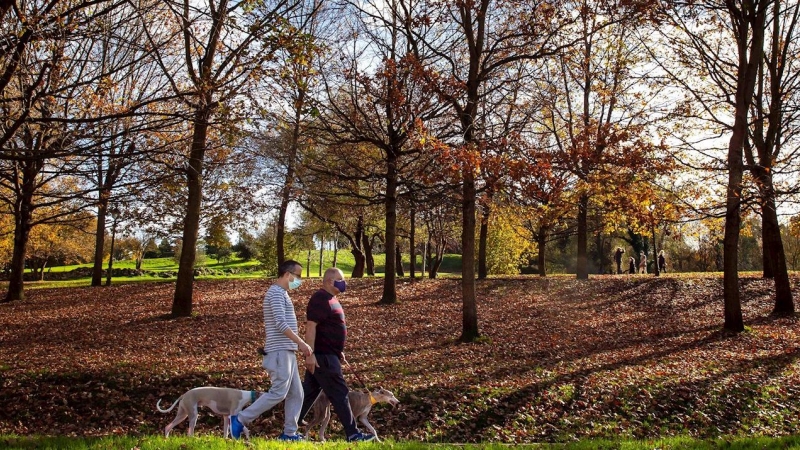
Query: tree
{"points": [[46, 83], [741, 26], [471, 43], [776, 89], [226, 47]]}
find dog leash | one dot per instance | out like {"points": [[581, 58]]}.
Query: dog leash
{"points": [[371, 398]]}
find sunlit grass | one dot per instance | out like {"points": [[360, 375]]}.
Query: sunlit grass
{"points": [[217, 443]]}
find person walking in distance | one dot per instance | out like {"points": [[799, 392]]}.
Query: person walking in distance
{"points": [[662, 262], [642, 262], [618, 259], [280, 361], [326, 332]]}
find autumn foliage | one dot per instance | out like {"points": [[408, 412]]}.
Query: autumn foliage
{"points": [[560, 359]]}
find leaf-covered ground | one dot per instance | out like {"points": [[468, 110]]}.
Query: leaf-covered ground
{"points": [[559, 359]]}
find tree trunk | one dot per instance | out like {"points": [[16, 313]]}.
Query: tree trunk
{"points": [[321, 253], [766, 258], [484, 236], [541, 241], [389, 295], [412, 266], [100, 238], [182, 302], [336, 250], [750, 19], [288, 182], [582, 266], [358, 254], [398, 256], [110, 272], [22, 229], [469, 308], [656, 269], [773, 246], [369, 258], [280, 226], [358, 268]]}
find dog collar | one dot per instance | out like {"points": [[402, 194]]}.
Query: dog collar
{"points": [[372, 399], [253, 395]]}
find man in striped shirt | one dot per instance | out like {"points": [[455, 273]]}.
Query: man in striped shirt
{"points": [[282, 341]]}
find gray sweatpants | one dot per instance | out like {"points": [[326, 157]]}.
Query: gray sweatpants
{"points": [[286, 385]]}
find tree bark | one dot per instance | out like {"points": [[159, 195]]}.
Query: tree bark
{"points": [[288, 183], [398, 256], [749, 20], [773, 246], [766, 259], [541, 241], [321, 253], [412, 266], [99, 241], [369, 258], [23, 215], [656, 269], [182, 302], [389, 295], [469, 330], [483, 272], [355, 249], [582, 266]]}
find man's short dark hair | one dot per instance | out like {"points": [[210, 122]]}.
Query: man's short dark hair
{"points": [[287, 266]]}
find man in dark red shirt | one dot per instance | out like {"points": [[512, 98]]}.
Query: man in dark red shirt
{"points": [[326, 332]]}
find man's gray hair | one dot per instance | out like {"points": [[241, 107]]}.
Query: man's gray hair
{"points": [[332, 274]]}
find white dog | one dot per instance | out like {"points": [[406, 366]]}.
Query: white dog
{"points": [[222, 401]]}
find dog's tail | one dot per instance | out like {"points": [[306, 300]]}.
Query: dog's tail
{"points": [[158, 405]]}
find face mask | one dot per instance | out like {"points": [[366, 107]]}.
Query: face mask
{"points": [[340, 285], [295, 283]]}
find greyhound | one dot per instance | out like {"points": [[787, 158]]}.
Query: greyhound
{"points": [[222, 401], [360, 403]]}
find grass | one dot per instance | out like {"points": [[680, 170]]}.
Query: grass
{"points": [[344, 260], [214, 443]]}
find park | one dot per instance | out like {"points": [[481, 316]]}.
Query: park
{"points": [[545, 223]]}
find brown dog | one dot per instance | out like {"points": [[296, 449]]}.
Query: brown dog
{"points": [[360, 403]]}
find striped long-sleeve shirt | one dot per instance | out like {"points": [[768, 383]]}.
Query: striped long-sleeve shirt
{"points": [[279, 316]]}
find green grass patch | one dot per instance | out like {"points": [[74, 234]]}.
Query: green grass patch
{"points": [[215, 443]]}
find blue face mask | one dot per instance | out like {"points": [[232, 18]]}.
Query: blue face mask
{"points": [[295, 283], [340, 285]]}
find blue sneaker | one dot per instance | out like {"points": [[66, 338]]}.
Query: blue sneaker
{"points": [[361, 437], [236, 427], [293, 437]]}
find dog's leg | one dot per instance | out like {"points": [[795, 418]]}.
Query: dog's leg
{"points": [[226, 426], [192, 420], [363, 420], [182, 415], [324, 424]]}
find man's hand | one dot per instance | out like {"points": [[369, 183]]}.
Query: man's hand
{"points": [[343, 360], [305, 349], [311, 363]]}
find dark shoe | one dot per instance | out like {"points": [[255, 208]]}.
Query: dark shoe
{"points": [[294, 437], [361, 437], [236, 427]]}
